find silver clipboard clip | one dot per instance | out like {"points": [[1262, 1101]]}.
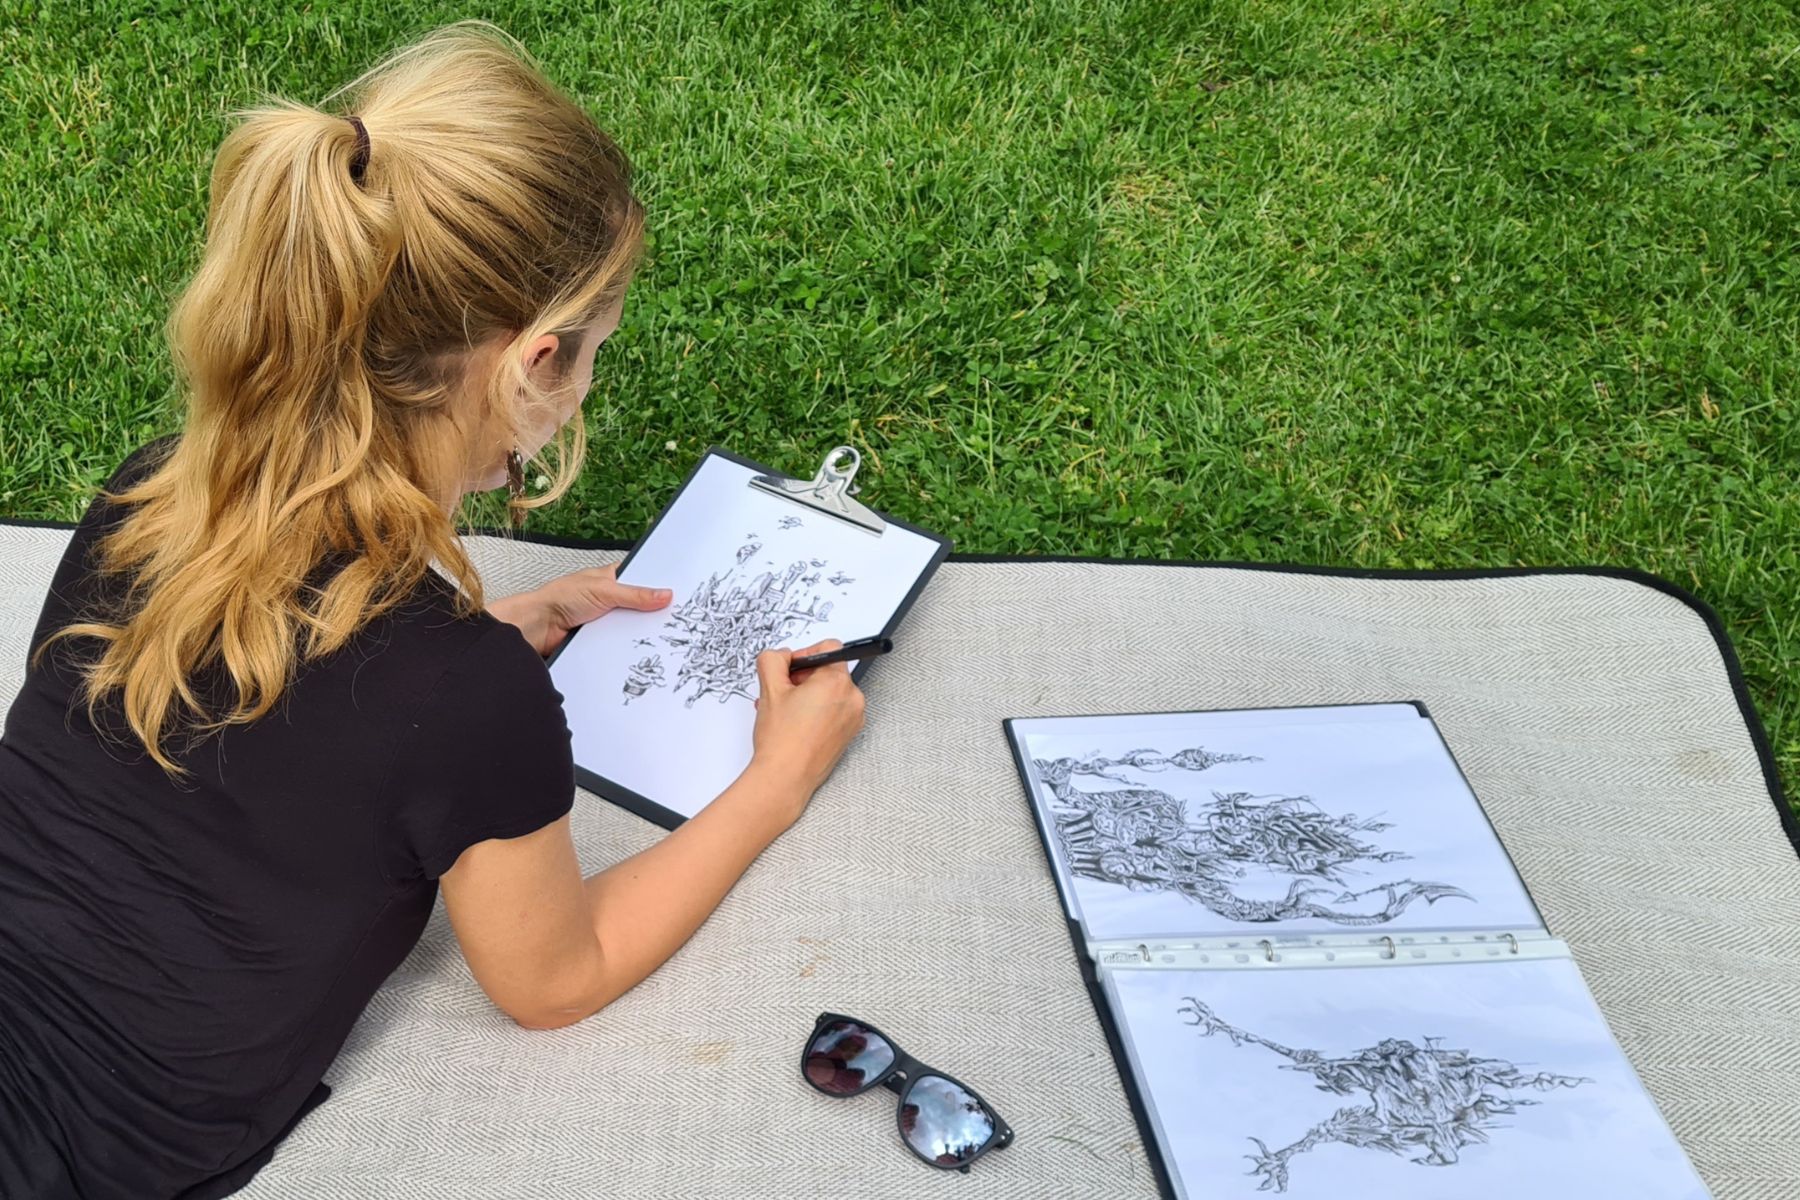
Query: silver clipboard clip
{"points": [[829, 492]]}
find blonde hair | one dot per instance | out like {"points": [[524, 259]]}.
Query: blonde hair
{"points": [[322, 346]]}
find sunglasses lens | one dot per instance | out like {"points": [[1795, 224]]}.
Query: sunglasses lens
{"points": [[945, 1123], [844, 1058]]}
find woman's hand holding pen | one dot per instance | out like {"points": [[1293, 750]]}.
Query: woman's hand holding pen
{"points": [[547, 614], [804, 722]]}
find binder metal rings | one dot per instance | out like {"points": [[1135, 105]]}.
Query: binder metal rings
{"points": [[1390, 951]]}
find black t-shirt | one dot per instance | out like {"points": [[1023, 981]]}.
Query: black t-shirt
{"points": [[180, 963]]}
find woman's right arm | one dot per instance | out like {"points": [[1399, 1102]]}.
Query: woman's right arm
{"points": [[550, 948]]}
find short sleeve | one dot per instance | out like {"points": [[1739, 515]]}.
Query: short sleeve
{"points": [[74, 585], [486, 755]]}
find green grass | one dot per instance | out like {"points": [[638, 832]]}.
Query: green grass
{"points": [[1387, 284]]}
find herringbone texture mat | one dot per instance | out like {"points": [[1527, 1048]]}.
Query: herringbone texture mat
{"points": [[1592, 714]]}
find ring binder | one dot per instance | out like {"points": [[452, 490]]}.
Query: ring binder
{"points": [[829, 491], [1378, 1003]]}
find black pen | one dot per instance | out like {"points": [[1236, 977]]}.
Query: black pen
{"points": [[861, 648]]}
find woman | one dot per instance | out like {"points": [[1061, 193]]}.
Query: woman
{"points": [[258, 731]]}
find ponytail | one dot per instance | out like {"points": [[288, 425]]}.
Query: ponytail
{"points": [[352, 264]]}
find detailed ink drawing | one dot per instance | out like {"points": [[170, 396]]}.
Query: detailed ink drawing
{"points": [[643, 675], [1147, 840], [717, 632], [1425, 1102]]}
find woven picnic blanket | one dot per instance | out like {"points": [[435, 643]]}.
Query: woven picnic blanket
{"points": [[1600, 717]]}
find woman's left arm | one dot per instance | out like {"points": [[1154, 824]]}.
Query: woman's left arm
{"points": [[545, 615]]}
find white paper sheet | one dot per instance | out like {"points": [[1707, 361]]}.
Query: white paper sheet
{"points": [[662, 703], [1508, 1083], [1370, 820]]}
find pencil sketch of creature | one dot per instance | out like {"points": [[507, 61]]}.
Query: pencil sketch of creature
{"points": [[1148, 840], [643, 675], [1425, 1102], [840, 579], [724, 624], [747, 549], [788, 523]]}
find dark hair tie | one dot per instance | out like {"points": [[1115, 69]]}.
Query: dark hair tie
{"points": [[359, 162]]}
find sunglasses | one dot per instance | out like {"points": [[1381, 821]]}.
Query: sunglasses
{"points": [[941, 1121]]}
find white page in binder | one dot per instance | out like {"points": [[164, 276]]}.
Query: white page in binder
{"points": [[1480, 1081], [1268, 830]]}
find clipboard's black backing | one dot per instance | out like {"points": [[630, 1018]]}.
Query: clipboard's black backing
{"points": [[1090, 973], [642, 805]]}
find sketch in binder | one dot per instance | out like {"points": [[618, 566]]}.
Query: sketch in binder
{"points": [[1487, 1079], [1146, 839], [1265, 830], [1425, 1102]]}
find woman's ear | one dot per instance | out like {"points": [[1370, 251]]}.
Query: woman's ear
{"points": [[540, 361]]}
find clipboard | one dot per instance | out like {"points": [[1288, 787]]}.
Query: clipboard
{"points": [[660, 705]]}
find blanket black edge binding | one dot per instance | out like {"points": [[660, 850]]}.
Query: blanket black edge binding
{"points": [[1090, 978], [1734, 671]]}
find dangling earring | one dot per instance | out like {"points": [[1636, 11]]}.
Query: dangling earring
{"points": [[515, 486]]}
